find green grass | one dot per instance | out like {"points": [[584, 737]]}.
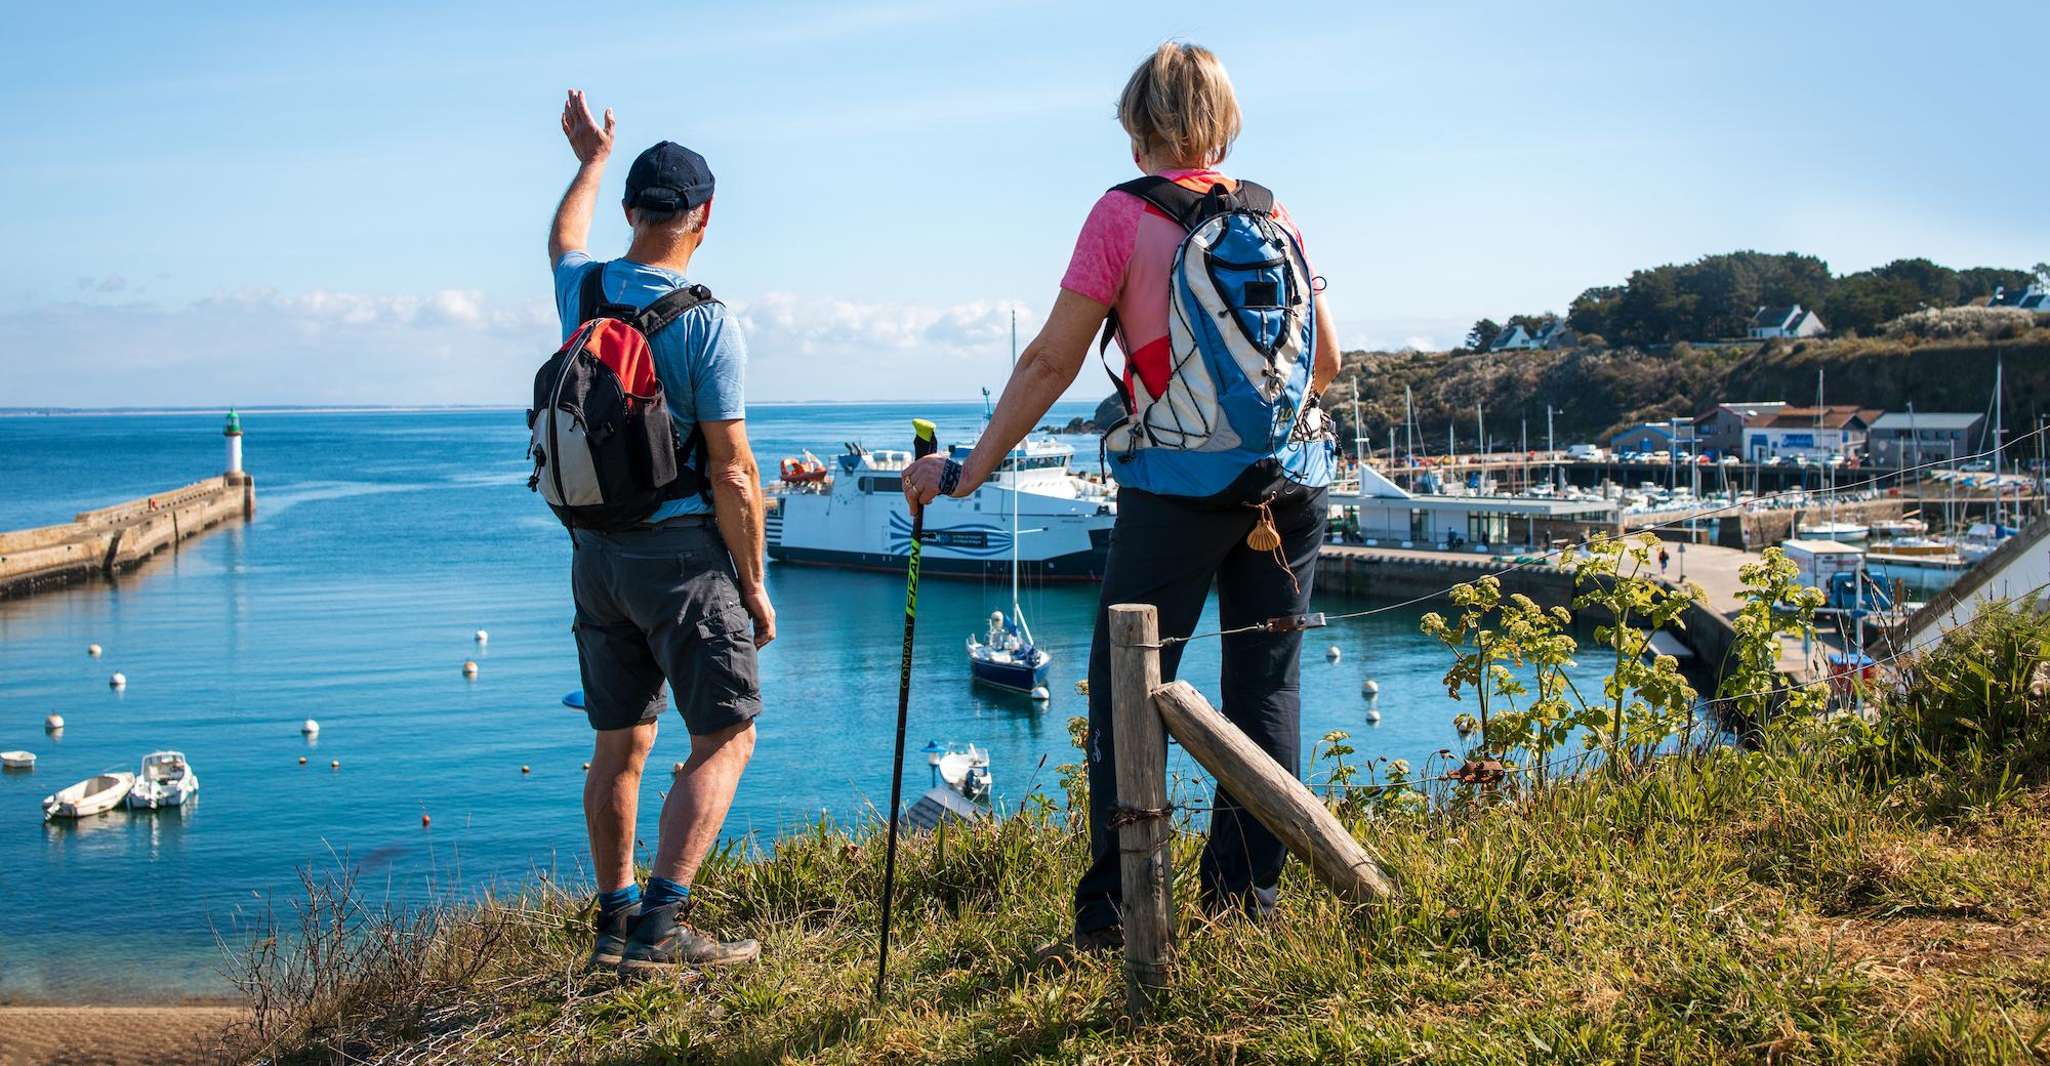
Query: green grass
{"points": [[1869, 895], [1736, 908]]}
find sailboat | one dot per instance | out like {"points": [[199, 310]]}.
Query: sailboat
{"points": [[1831, 527], [1005, 656]]}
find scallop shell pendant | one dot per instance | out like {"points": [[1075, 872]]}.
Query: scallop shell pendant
{"points": [[1264, 537]]}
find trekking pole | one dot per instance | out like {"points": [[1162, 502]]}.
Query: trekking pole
{"points": [[924, 443]]}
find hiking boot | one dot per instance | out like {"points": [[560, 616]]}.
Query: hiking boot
{"points": [[662, 942], [612, 929], [1098, 941]]}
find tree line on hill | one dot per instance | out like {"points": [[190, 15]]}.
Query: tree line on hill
{"points": [[1593, 393], [1715, 297]]}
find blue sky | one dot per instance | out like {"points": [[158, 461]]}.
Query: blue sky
{"points": [[271, 203]]}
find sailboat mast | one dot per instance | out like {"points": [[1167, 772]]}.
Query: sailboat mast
{"points": [[1017, 454], [1409, 435], [1999, 441], [1551, 451], [1359, 457]]}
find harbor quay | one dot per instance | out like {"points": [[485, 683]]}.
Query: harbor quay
{"points": [[1397, 574], [109, 541]]}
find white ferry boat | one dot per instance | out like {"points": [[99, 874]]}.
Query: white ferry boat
{"points": [[857, 518]]}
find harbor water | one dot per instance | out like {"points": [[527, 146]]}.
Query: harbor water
{"points": [[381, 543]]}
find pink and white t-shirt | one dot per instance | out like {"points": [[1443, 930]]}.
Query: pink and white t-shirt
{"points": [[1123, 258]]}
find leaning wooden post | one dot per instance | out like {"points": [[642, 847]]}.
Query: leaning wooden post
{"points": [[1283, 804], [1140, 815]]}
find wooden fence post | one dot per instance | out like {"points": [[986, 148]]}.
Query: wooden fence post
{"points": [[1283, 804], [1144, 829]]}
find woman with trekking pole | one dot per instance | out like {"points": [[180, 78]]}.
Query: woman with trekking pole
{"points": [[1222, 457]]}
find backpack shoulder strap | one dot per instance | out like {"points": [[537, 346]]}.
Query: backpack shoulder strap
{"points": [[1256, 198], [1175, 201], [591, 297], [670, 306]]}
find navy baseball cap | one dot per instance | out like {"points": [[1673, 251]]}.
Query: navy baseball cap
{"points": [[668, 177]]}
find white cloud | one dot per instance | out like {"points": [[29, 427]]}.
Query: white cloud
{"points": [[465, 346], [462, 346], [785, 324]]}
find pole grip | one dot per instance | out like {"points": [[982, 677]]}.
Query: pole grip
{"points": [[925, 438]]}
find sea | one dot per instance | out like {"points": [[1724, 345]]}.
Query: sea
{"points": [[382, 542]]}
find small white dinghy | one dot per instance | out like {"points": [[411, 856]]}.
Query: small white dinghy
{"points": [[18, 760], [966, 772], [166, 780], [94, 795]]}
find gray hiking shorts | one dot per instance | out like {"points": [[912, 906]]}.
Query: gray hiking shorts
{"points": [[661, 604]]}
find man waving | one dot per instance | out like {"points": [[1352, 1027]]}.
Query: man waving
{"points": [[678, 600]]}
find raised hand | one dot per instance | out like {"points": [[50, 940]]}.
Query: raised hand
{"points": [[590, 143]]}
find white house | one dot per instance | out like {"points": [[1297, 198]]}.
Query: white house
{"points": [[1808, 432], [2034, 298], [1513, 339], [1793, 321], [1553, 334]]}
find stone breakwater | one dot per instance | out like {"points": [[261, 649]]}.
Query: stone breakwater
{"points": [[112, 540]]}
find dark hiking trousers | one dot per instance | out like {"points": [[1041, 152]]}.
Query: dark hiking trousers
{"points": [[1165, 551]]}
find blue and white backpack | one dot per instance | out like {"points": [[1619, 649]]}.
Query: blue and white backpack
{"points": [[1236, 418]]}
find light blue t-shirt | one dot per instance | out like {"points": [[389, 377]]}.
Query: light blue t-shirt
{"points": [[701, 357]]}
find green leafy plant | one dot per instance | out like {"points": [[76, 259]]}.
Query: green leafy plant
{"points": [[1776, 604], [1646, 702]]}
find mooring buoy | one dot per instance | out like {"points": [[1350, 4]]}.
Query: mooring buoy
{"points": [[93, 650], [469, 668], [302, 760], [1331, 653], [1040, 694], [310, 727], [119, 680], [483, 637], [54, 723], [1371, 688]]}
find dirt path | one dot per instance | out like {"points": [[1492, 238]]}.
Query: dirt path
{"points": [[113, 1036]]}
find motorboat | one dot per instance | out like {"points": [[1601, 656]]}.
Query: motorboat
{"points": [[858, 518], [1917, 546], [966, 771], [166, 780], [1899, 527], [1981, 538], [18, 760], [94, 795], [1836, 531], [804, 470]]}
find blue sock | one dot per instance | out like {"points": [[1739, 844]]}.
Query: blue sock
{"points": [[618, 899], [662, 890]]}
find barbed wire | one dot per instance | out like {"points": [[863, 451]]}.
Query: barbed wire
{"points": [[1280, 625]]}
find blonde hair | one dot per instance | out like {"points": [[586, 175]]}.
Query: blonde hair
{"points": [[1179, 103]]}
